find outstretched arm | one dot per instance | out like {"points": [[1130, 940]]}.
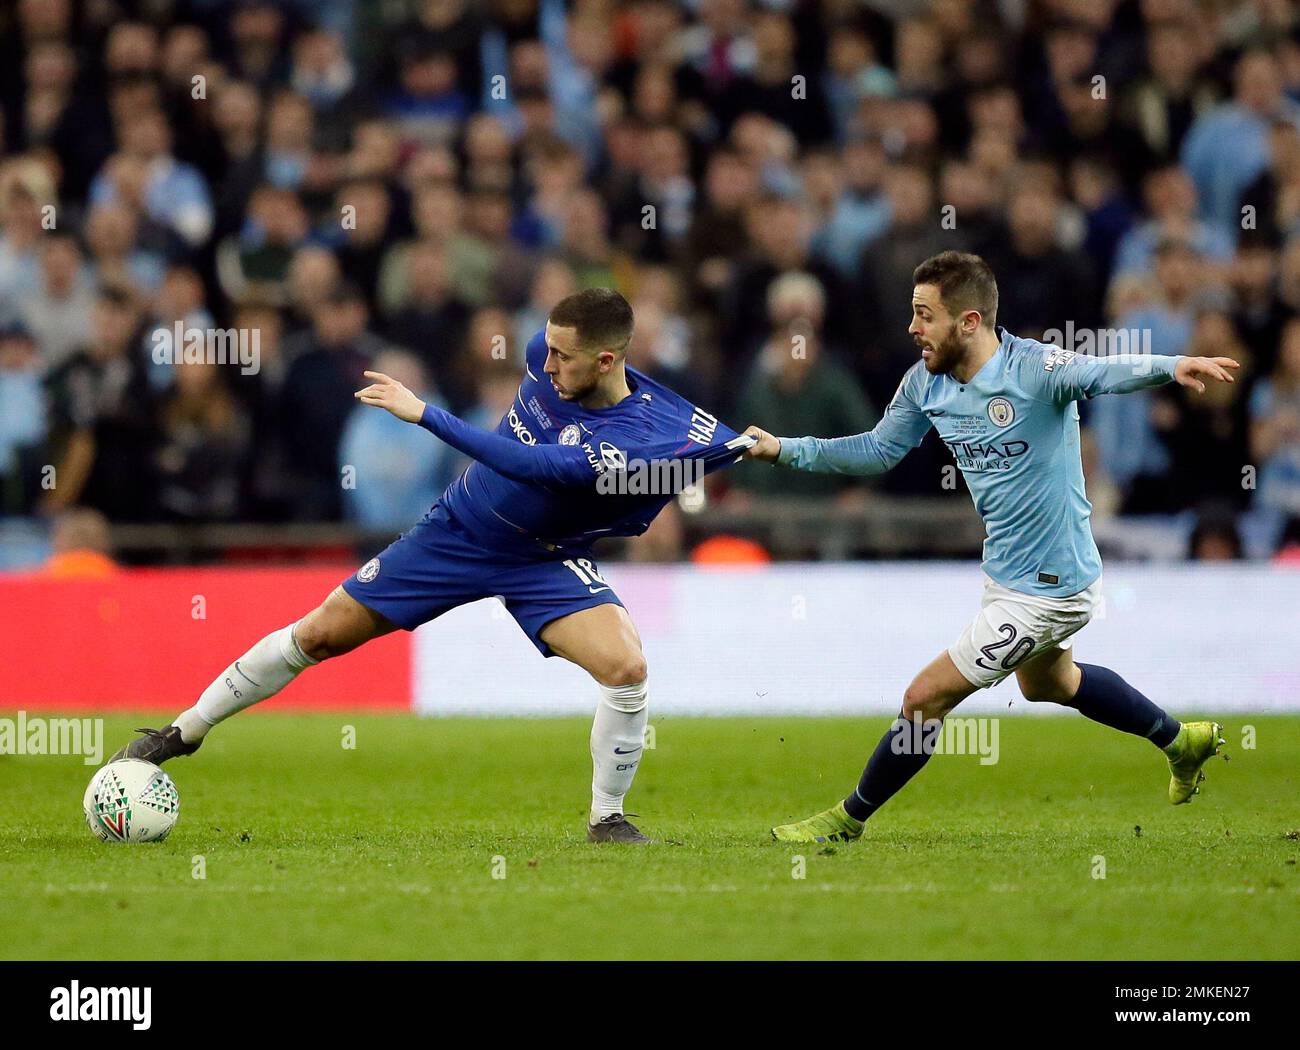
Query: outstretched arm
{"points": [[539, 464], [559, 465], [1073, 376], [854, 454], [899, 431]]}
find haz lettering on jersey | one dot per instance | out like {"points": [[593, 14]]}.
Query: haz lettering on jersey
{"points": [[703, 426]]}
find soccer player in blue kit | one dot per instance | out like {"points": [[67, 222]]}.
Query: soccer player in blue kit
{"points": [[1006, 408], [560, 472]]}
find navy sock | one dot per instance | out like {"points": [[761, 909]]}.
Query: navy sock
{"points": [[1105, 697], [902, 751]]}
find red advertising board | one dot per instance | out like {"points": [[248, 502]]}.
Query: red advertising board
{"points": [[155, 638]]}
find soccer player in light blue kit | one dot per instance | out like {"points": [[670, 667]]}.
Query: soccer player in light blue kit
{"points": [[1006, 408]]}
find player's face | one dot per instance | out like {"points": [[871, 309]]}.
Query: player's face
{"points": [[935, 331], [574, 371]]}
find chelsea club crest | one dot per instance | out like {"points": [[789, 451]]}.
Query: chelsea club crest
{"points": [[570, 435], [368, 571]]}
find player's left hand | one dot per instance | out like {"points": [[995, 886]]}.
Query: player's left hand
{"points": [[388, 393], [1191, 370]]}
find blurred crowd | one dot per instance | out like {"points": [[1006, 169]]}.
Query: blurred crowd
{"points": [[409, 185]]}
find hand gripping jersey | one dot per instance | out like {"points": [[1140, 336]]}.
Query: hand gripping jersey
{"points": [[559, 476]]}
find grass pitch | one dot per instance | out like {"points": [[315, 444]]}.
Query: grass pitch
{"points": [[389, 849]]}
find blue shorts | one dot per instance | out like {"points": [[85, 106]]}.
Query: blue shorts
{"points": [[437, 565]]}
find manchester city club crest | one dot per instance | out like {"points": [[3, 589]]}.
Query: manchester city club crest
{"points": [[1001, 411], [570, 435], [368, 571]]}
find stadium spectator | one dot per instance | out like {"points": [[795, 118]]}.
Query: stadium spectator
{"points": [[203, 443], [718, 236], [853, 72], [780, 230], [1257, 313], [314, 273], [661, 346], [886, 276], [1227, 148], [256, 262], [58, 313], [25, 188], [1275, 428], [324, 74], [81, 547], [1170, 202], [552, 281], [397, 471], [181, 302], [22, 420], [1161, 105], [116, 256], [146, 174], [316, 399], [431, 320], [1127, 430], [845, 222], [1208, 435], [1053, 284], [799, 389], [1271, 204], [102, 430]]}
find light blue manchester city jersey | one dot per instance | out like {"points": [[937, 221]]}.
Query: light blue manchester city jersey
{"points": [[1014, 432]]}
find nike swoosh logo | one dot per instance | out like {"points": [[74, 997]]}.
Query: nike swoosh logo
{"points": [[620, 751], [244, 676], [939, 412], [597, 590]]}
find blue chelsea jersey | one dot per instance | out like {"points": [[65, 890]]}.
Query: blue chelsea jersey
{"points": [[652, 426]]}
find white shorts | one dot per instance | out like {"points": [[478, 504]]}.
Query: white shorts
{"points": [[1012, 627]]}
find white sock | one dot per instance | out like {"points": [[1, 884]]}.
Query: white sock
{"points": [[260, 673], [617, 737]]}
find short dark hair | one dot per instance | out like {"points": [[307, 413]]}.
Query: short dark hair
{"points": [[965, 282], [601, 316]]}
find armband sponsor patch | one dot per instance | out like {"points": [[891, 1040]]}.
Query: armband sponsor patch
{"points": [[1058, 356]]}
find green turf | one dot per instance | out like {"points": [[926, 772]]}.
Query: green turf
{"points": [[387, 850]]}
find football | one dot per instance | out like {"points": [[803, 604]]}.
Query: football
{"points": [[131, 801]]}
